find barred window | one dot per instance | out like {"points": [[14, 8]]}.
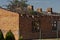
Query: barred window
{"points": [[35, 26], [54, 25]]}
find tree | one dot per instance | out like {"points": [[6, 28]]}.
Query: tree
{"points": [[9, 36], [17, 5], [1, 35]]}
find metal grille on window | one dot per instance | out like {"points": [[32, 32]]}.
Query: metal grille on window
{"points": [[54, 25], [35, 26]]}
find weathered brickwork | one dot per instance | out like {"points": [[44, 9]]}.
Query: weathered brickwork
{"points": [[9, 21], [45, 27], [21, 24], [26, 28]]}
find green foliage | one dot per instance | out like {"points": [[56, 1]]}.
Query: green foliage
{"points": [[23, 3], [32, 12], [15, 5], [9, 36], [20, 38], [1, 35]]}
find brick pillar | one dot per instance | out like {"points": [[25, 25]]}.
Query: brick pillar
{"points": [[30, 7], [49, 10], [39, 10]]}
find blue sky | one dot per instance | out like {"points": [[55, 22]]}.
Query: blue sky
{"points": [[55, 4]]}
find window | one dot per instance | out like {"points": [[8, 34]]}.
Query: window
{"points": [[35, 26], [54, 25]]}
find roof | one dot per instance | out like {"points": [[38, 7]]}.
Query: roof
{"points": [[25, 11], [6, 10], [48, 13]]}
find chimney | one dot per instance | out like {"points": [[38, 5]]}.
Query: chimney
{"points": [[39, 10], [30, 7], [49, 10]]}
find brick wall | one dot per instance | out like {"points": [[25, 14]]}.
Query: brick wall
{"points": [[9, 21], [45, 27], [26, 28]]}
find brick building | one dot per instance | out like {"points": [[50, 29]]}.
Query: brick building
{"points": [[9, 21], [43, 24], [31, 24]]}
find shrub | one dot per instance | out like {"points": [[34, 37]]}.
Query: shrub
{"points": [[9, 36], [20, 38], [1, 35]]}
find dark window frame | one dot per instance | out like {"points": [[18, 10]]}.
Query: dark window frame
{"points": [[54, 25], [35, 26]]}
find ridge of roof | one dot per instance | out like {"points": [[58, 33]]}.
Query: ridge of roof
{"points": [[6, 9]]}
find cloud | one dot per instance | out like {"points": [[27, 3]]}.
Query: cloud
{"points": [[44, 2], [39, 1]]}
